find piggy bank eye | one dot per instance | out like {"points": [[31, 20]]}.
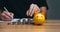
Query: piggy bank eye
{"points": [[37, 16], [41, 16]]}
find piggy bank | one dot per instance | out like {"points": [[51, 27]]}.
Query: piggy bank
{"points": [[39, 18]]}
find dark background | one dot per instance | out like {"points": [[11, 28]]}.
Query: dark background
{"points": [[54, 9]]}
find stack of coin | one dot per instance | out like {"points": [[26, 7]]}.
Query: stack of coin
{"points": [[22, 21], [31, 21], [18, 22], [28, 21]]}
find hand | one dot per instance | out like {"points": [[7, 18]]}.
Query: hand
{"points": [[33, 8], [7, 15]]}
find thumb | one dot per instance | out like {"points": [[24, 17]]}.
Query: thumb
{"points": [[11, 14]]}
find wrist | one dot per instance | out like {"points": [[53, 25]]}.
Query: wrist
{"points": [[0, 13]]}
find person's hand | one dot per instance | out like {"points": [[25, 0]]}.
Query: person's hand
{"points": [[7, 15], [33, 8]]}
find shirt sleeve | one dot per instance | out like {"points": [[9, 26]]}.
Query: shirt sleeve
{"points": [[1, 5], [41, 3]]}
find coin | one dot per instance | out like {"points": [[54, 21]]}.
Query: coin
{"points": [[18, 22]]}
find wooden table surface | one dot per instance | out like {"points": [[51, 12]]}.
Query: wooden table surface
{"points": [[49, 26]]}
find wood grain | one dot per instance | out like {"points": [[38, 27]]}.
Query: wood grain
{"points": [[48, 26]]}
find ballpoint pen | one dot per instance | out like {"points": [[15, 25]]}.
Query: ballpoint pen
{"points": [[5, 9]]}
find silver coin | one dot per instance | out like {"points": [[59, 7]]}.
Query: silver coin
{"points": [[31, 21], [21, 20], [18, 22], [25, 20]]}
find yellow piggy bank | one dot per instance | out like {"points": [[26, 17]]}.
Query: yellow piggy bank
{"points": [[39, 18]]}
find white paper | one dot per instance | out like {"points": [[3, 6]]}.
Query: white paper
{"points": [[15, 20]]}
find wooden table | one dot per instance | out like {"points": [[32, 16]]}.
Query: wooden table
{"points": [[49, 26]]}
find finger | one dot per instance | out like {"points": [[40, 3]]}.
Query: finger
{"points": [[31, 8], [37, 8], [32, 12], [27, 13], [10, 15], [5, 16]]}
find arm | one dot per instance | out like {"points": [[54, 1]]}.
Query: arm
{"points": [[43, 6], [0, 13], [43, 10], [3, 14], [1, 7], [39, 5]]}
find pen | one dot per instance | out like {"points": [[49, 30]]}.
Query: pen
{"points": [[5, 9]]}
